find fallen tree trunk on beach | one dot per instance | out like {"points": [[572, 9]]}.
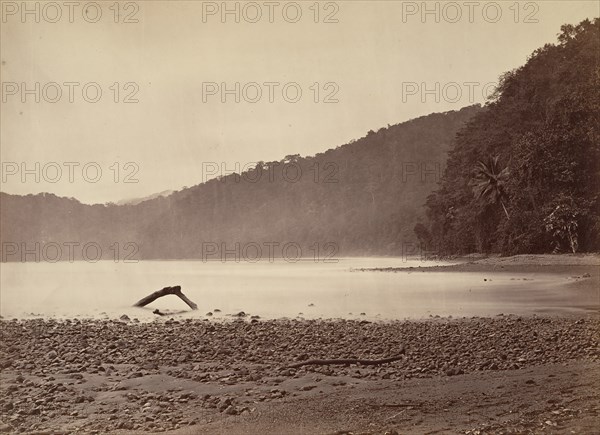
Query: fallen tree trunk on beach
{"points": [[176, 290], [366, 362]]}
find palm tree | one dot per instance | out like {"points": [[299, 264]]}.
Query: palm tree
{"points": [[489, 180]]}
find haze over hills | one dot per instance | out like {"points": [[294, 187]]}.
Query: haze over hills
{"points": [[362, 198], [135, 201]]}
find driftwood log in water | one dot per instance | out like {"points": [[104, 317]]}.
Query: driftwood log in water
{"points": [[176, 290], [366, 362]]}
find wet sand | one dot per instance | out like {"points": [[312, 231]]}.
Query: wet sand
{"points": [[504, 373], [577, 283]]}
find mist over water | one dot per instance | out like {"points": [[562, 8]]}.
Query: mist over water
{"points": [[271, 290]]}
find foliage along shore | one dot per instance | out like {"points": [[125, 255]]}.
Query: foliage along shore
{"points": [[523, 175]]}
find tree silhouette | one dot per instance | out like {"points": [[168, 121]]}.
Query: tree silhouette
{"points": [[489, 181]]}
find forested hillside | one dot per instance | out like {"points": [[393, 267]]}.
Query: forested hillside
{"points": [[524, 174], [362, 198]]}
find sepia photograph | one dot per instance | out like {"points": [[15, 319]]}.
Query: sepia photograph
{"points": [[310, 217]]}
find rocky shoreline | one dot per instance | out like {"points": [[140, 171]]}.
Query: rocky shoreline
{"points": [[99, 376]]}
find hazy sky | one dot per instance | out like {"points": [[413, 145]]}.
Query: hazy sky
{"points": [[375, 61]]}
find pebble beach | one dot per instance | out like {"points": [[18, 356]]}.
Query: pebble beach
{"points": [[122, 375]]}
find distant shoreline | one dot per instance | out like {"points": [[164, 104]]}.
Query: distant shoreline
{"points": [[577, 275], [527, 263]]}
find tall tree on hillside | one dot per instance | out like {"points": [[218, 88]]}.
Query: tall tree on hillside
{"points": [[489, 181]]}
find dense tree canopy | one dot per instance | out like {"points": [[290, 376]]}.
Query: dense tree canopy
{"points": [[542, 126]]}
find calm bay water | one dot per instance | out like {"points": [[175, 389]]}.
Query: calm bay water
{"points": [[271, 290]]}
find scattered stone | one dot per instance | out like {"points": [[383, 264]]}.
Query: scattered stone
{"points": [[43, 387], [307, 387]]}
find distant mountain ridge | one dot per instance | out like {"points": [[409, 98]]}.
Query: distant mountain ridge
{"points": [[362, 198], [136, 201]]}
